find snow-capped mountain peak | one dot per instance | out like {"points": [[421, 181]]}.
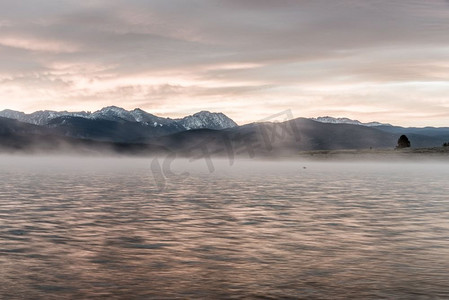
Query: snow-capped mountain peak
{"points": [[113, 113], [333, 120], [12, 114], [206, 119], [41, 117]]}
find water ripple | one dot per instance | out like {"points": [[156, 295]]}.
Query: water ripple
{"points": [[331, 231]]}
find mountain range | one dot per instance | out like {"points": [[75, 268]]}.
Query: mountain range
{"points": [[203, 119], [118, 130]]}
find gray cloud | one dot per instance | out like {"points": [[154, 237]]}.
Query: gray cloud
{"points": [[61, 54]]}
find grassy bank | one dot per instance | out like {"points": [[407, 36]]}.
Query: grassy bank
{"points": [[407, 153]]}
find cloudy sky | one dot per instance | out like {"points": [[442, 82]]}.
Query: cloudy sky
{"points": [[384, 60]]}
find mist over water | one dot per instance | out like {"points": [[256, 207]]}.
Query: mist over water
{"points": [[101, 228]]}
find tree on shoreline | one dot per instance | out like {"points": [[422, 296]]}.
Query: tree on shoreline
{"points": [[403, 142]]}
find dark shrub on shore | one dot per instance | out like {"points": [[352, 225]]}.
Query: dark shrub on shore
{"points": [[403, 142]]}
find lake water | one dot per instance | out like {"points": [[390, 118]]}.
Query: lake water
{"points": [[100, 228]]}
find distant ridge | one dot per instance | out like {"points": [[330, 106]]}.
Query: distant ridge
{"points": [[333, 120]]}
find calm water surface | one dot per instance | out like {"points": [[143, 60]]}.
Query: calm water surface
{"points": [[100, 229]]}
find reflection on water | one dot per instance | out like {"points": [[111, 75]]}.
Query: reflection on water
{"points": [[100, 229]]}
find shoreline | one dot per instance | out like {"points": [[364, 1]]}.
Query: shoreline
{"points": [[406, 153]]}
